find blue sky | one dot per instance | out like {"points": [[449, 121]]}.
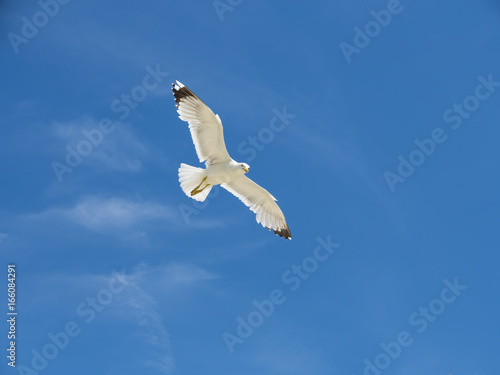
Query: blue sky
{"points": [[386, 169]]}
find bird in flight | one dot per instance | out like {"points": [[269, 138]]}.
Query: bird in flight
{"points": [[220, 168]]}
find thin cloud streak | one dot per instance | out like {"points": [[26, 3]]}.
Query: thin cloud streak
{"points": [[108, 214]]}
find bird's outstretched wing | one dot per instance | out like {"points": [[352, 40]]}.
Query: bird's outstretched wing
{"points": [[205, 126], [260, 201]]}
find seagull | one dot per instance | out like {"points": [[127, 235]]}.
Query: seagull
{"points": [[220, 168]]}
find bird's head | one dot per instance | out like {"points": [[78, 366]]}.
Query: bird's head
{"points": [[245, 167]]}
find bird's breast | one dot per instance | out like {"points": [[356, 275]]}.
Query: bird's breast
{"points": [[222, 173]]}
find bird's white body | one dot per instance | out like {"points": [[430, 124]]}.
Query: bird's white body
{"points": [[223, 172], [221, 169], [197, 182]]}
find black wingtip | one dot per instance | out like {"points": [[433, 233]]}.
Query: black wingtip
{"points": [[181, 92], [283, 232]]}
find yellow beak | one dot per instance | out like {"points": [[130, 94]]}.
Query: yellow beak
{"points": [[246, 170]]}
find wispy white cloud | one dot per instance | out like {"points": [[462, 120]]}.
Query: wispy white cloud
{"points": [[96, 214], [120, 150], [127, 219], [109, 214], [134, 311], [277, 353], [139, 307], [136, 305], [209, 223], [171, 278], [174, 275]]}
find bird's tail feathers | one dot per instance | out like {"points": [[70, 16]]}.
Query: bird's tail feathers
{"points": [[190, 179]]}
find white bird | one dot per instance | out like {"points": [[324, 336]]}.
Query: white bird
{"points": [[208, 138]]}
